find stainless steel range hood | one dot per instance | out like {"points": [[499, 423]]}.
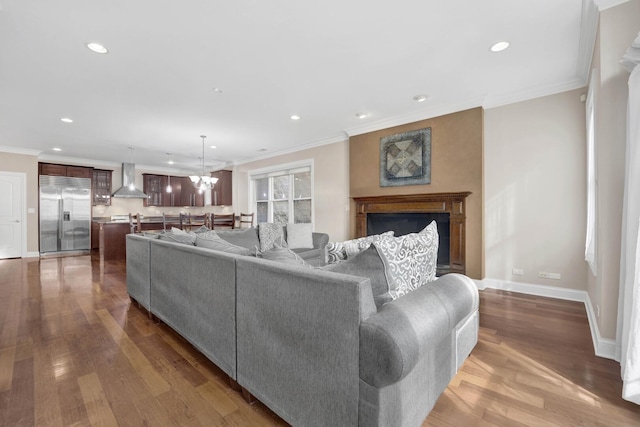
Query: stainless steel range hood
{"points": [[128, 189]]}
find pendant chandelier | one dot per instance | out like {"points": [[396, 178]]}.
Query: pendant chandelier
{"points": [[203, 182]]}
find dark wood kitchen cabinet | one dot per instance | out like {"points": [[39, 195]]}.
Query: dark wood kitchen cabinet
{"points": [[183, 193], [53, 169], [221, 193], [155, 187], [101, 187], [190, 195], [173, 198]]}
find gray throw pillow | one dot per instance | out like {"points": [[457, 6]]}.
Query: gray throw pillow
{"points": [[247, 237], [201, 229], [300, 236], [284, 255], [367, 264], [211, 240], [184, 238]]}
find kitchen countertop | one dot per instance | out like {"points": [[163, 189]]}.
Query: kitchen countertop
{"points": [[107, 220]]}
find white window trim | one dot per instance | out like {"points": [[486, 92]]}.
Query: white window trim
{"points": [[275, 170], [591, 241]]}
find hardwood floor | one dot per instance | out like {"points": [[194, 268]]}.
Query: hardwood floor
{"points": [[74, 351]]}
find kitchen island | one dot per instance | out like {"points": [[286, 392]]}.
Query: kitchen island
{"points": [[112, 235]]}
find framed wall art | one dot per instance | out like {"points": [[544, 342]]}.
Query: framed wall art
{"points": [[405, 158]]}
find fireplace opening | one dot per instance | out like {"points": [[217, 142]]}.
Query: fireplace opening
{"points": [[411, 222]]}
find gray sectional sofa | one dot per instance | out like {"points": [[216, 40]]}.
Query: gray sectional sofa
{"points": [[310, 343]]}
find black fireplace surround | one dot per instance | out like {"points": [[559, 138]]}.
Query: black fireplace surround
{"points": [[412, 222]]}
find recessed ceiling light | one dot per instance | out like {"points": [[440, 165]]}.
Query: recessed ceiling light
{"points": [[420, 98], [295, 117], [213, 146], [499, 46], [57, 149], [217, 90], [97, 47], [66, 120], [361, 115]]}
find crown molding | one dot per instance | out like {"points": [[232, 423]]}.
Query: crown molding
{"points": [[429, 112], [533, 92], [606, 4], [18, 150], [297, 148], [78, 161]]}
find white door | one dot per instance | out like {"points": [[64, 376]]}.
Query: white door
{"points": [[11, 214]]}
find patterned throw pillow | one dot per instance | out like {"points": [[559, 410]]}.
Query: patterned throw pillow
{"points": [[340, 251], [410, 260], [269, 234]]}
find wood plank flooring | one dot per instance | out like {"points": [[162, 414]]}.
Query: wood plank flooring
{"points": [[74, 351]]}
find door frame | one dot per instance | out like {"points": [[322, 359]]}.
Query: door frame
{"points": [[23, 219]]}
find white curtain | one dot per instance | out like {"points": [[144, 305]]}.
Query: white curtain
{"points": [[629, 300]]}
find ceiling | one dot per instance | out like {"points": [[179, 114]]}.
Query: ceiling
{"points": [[156, 88]]}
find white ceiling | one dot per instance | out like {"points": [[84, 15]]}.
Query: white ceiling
{"points": [[325, 61]]}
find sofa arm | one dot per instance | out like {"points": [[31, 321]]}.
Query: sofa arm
{"points": [[320, 240], [400, 333]]}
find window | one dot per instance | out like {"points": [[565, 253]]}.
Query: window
{"points": [[282, 195]]}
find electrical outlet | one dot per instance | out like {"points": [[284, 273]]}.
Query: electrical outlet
{"points": [[545, 275], [517, 272]]}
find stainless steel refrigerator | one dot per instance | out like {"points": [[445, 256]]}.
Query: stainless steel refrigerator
{"points": [[65, 214]]}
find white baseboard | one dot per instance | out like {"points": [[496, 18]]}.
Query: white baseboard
{"points": [[32, 255], [604, 347]]}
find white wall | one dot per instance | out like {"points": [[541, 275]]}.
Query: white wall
{"points": [[331, 185], [535, 190]]}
